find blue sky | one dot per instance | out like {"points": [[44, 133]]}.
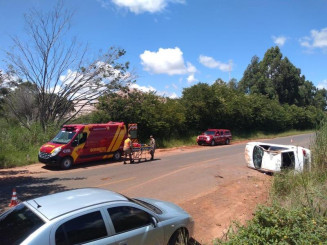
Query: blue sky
{"points": [[174, 44]]}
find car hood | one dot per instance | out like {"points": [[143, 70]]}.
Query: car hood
{"points": [[168, 209], [49, 147]]}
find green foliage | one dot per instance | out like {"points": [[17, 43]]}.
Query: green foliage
{"points": [[162, 117], [277, 225], [277, 78], [19, 146]]}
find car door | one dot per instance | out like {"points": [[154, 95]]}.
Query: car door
{"points": [[220, 137], [88, 227], [134, 226]]}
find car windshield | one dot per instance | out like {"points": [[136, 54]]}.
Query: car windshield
{"points": [[145, 204], [63, 137], [209, 133], [17, 224]]}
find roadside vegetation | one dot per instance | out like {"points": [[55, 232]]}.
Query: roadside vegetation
{"points": [[297, 213]]}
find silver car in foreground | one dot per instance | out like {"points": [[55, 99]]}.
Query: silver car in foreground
{"points": [[95, 216]]}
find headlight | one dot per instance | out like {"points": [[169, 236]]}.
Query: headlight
{"points": [[208, 137], [55, 152]]}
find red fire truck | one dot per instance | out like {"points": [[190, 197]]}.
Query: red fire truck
{"points": [[78, 143]]}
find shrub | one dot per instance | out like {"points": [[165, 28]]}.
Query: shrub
{"points": [[278, 225]]}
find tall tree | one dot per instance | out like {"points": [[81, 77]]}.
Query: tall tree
{"points": [[58, 69], [277, 78]]}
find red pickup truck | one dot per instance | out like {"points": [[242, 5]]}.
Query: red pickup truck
{"points": [[214, 136]]}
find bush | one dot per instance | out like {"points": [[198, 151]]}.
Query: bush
{"points": [[278, 225], [19, 146]]}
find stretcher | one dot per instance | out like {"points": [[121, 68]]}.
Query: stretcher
{"points": [[141, 152]]}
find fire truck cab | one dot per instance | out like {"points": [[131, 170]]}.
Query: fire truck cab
{"points": [[78, 143]]}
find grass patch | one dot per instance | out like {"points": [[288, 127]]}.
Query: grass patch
{"points": [[266, 135], [187, 141]]}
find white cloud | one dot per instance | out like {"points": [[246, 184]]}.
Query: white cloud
{"points": [[280, 41], [141, 6], [170, 95], [212, 63], [166, 61], [317, 39], [191, 79], [149, 88], [322, 84], [143, 88]]}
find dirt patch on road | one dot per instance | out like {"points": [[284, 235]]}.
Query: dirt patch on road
{"points": [[234, 201]]}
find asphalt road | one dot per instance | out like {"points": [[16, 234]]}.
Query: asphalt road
{"points": [[175, 177]]}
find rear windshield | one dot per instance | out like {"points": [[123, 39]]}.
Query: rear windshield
{"points": [[17, 224], [63, 137]]}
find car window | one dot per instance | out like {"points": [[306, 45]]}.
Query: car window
{"points": [[17, 224], [127, 218], [82, 229]]}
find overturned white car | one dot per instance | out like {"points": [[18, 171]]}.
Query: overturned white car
{"points": [[274, 158]]}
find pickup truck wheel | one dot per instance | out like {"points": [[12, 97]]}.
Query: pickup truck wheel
{"points": [[66, 163], [117, 156], [227, 142], [212, 143], [180, 237]]}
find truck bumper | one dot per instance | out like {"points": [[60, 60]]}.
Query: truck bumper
{"points": [[50, 160], [204, 142]]}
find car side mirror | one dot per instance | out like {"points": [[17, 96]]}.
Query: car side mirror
{"points": [[154, 222]]}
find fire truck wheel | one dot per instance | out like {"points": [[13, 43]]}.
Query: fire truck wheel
{"points": [[117, 156], [66, 163], [227, 141]]}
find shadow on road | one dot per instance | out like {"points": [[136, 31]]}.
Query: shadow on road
{"points": [[27, 187], [82, 165]]}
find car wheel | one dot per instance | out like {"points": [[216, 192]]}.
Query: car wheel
{"points": [[227, 141], [199, 143], [180, 237], [66, 163], [117, 156], [212, 143]]}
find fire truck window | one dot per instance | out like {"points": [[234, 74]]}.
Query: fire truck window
{"points": [[81, 138]]}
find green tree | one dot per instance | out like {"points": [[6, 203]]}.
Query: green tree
{"points": [[154, 114], [202, 106], [277, 78]]}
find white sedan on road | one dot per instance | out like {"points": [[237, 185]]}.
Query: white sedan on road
{"points": [[274, 158]]}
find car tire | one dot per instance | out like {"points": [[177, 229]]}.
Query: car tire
{"points": [[199, 143], [213, 143], [180, 237], [117, 156], [227, 142], [66, 163]]}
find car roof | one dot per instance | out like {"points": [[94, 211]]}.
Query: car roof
{"points": [[54, 205]]}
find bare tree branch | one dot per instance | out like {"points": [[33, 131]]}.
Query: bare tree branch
{"points": [[65, 83]]}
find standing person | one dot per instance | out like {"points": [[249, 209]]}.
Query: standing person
{"points": [[153, 145], [128, 149]]}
